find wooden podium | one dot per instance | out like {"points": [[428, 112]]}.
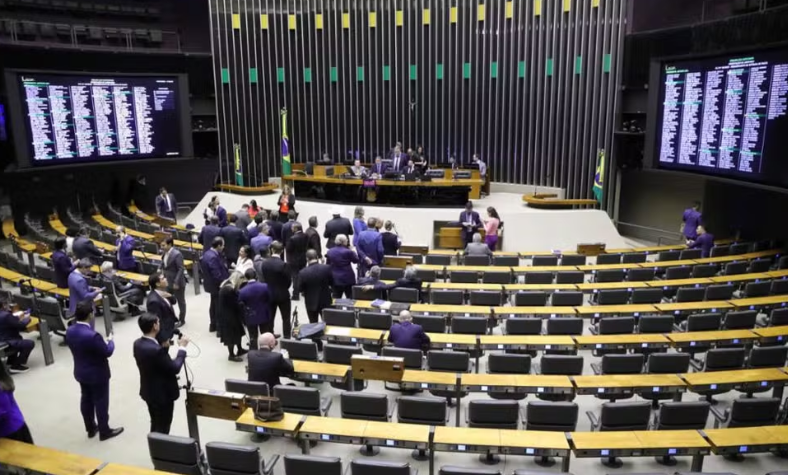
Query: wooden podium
{"points": [[378, 368]]}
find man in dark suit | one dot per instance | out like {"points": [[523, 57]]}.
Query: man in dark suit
{"points": [[160, 304], [78, 288], [158, 373], [379, 168], [407, 334], [166, 206], [19, 349], [398, 159], [340, 258], [410, 171], [61, 263], [221, 214], [209, 232], [173, 269], [267, 365], [242, 217], [214, 272], [275, 226], [335, 226], [234, 239], [296, 254], [470, 222], [287, 228], [409, 280], [276, 273], [313, 237], [83, 248], [391, 240], [91, 370], [315, 282]]}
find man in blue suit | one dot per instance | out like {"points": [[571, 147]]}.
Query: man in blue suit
{"points": [[407, 334], [91, 370], [221, 214], [78, 288], [166, 205], [398, 159], [19, 349], [369, 248], [61, 263], [209, 232], [254, 295], [214, 272], [340, 257], [124, 247], [379, 168], [470, 222]]}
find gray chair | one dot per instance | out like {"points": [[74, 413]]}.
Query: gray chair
{"points": [[767, 357], [469, 325], [434, 260], [640, 275], [647, 296], [704, 270], [616, 325], [374, 320], [720, 251], [634, 258], [505, 261], [492, 415], [476, 260], [505, 363], [464, 277], [779, 287], [757, 289], [620, 364], [489, 298], [690, 294], [565, 326], [550, 261], [342, 354], [610, 275], [608, 259], [740, 248], [448, 361], [568, 365], [233, 459], [368, 467], [735, 268], [447, 297], [778, 317], [422, 410], [550, 416], [304, 401], [530, 299], [431, 323], [497, 277], [678, 272], [296, 464], [570, 276], [668, 256], [722, 359], [539, 278], [680, 416], [248, 388], [300, 350], [573, 260], [404, 295], [426, 275], [743, 320], [718, 292], [701, 322], [367, 407], [339, 318], [612, 297], [690, 254], [748, 412], [170, 453], [567, 298]]}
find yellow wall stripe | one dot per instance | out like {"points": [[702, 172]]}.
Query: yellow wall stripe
{"points": [[567, 5], [537, 7], [425, 16], [373, 19], [318, 21], [480, 12], [291, 22], [263, 21], [453, 15], [594, 3], [346, 20], [509, 10], [236, 21], [399, 18]]}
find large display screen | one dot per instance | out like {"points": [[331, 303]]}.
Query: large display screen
{"points": [[725, 116], [77, 118]]}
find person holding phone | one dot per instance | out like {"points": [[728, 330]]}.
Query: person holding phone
{"points": [[78, 288]]}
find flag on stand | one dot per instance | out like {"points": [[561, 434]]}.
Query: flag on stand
{"points": [[599, 178], [239, 176], [286, 168]]}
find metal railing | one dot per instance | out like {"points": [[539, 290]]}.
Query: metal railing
{"points": [[661, 236]]}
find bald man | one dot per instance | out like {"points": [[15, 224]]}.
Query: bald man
{"points": [[267, 365]]}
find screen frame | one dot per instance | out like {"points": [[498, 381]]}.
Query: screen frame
{"points": [[652, 122], [15, 118]]}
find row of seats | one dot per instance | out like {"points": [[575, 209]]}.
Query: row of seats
{"points": [[143, 10], [83, 34]]}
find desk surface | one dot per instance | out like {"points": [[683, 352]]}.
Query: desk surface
{"points": [[772, 331], [660, 264], [602, 309], [597, 267], [460, 286], [325, 369], [534, 439], [757, 301], [288, 424], [588, 286], [679, 337], [511, 311], [558, 340], [463, 309], [679, 282], [484, 379], [334, 426], [734, 376], [478, 269], [628, 381], [430, 377], [350, 332], [526, 269], [118, 469], [397, 431], [538, 287], [633, 338], [45, 460], [712, 305], [516, 380], [671, 439], [740, 436], [453, 338], [606, 440], [467, 436], [724, 279]]}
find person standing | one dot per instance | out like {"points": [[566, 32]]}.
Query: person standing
{"points": [[296, 255], [315, 282], [275, 226], [313, 237], [340, 257], [267, 365], [286, 203], [704, 241], [84, 248], [221, 213], [158, 372], [214, 272], [359, 225], [62, 264], [243, 217], [335, 226], [209, 232], [175, 272], [230, 317], [12, 422], [234, 238], [276, 273], [254, 210], [124, 247], [391, 240], [287, 228], [245, 259], [369, 248], [254, 227], [470, 222], [160, 304], [262, 240], [691, 219], [491, 225], [78, 288], [254, 295], [91, 370], [166, 206], [398, 160], [19, 349]]}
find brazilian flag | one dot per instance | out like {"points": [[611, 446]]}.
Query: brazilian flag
{"points": [[286, 167], [599, 178]]}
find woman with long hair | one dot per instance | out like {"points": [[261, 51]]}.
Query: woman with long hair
{"points": [[12, 422], [231, 316], [491, 228], [286, 203], [253, 208], [359, 224], [245, 257]]}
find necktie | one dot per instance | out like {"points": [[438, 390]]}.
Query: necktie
{"points": [[169, 206]]}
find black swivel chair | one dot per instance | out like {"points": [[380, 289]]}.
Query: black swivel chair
{"points": [[765, 357], [618, 364], [342, 354], [170, 453], [464, 277], [656, 324], [570, 277], [615, 326], [530, 299], [647, 296], [369, 467], [748, 412], [476, 260], [779, 287], [300, 349], [700, 322], [721, 359], [404, 295], [339, 318], [664, 363], [539, 277], [690, 254], [505, 261], [740, 248], [690, 294], [634, 258], [719, 292], [469, 325], [390, 273], [422, 410], [573, 260], [612, 297], [296, 464], [488, 414], [621, 416], [777, 317], [640, 275], [609, 275], [431, 323], [720, 251], [759, 265], [413, 359], [678, 272], [550, 416], [306, 401], [249, 388], [743, 320], [426, 275], [497, 277], [367, 407], [435, 260], [680, 416], [550, 261], [568, 365], [735, 268], [447, 297], [233, 459], [757, 289], [608, 259], [564, 326], [704, 270], [374, 321], [567, 298], [488, 298], [452, 362], [668, 256], [360, 293], [503, 363], [523, 326]]}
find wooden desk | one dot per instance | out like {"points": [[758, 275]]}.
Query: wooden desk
{"points": [[742, 440], [483, 382], [636, 310], [333, 429], [641, 443], [139, 279], [664, 264], [315, 371], [465, 439], [134, 233], [460, 286], [720, 259], [412, 379], [543, 312], [721, 337], [452, 341], [730, 279], [740, 379], [638, 340], [353, 335], [526, 342], [772, 334], [287, 427], [45, 460], [392, 434], [554, 269], [673, 442], [597, 286], [434, 309], [629, 383], [479, 269], [443, 252], [534, 442], [778, 274], [118, 469], [598, 267], [538, 287], [516, 383], [669, 283], [760, 302], [678, 308]]}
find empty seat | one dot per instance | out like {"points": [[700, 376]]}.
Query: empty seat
{"points": [[488, 298], [422, 410], [469, 325], [339, 318], [779, 287], [369, 467], [740, 248], [690, 294], [704, 270], [248, 388], [492, 414], [757, 289], [233, 459], [634, 258], [365, 406], [503, 363], [724, 359], [759, 265], [300, 350], [496, 277], [616, 325], [552, 416], [573, 260], [447, 297], [374, 320], [431, 323], [640, 275], [300, 400], [523, 326], [570, 276], [690, 254], [426, 275], [539, 278], [749, 412], [296, 464], [720, 251], [448, 361], [412, 358], [544, 261], [464, 277], [607, 259], [567, 299], [612, 297], [767, 357], [565, 326], [656, 324], [403, 295], [701, 322], [669, 256], [476, 260], [342, 354], [434, 260], [170, 453], [719, 292], [615, 416], [610, 275], [664, 363], [778, 316], [682, 415], [735, 268], [506, 261], [743, 320], [647, 296], [569, 365], [530, 299], [678, 272], [621, 364], [452, 470]]}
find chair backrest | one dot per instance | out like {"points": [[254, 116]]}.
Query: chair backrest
{"points": [[426, 275], [782, 263], [361, 293], [495, 277], [561, 364], [624, 416], [683, 415], [170, 453], [404, 295], [640, 275], [669, 256], [553, 416], [778, 317], [612, 297], [464, 276], [623, 364], [454, 361], [690, 254], [607, 259], [740, 248], [390, 273], [417, 258], [299, 400], [720, 251], [249, 388], [539, 278], [759, 265], [339, 318], [433, 260], [616, 325], [296, 464], [757, 289], [476, 260], [490, 298], [656, 324], [645, 296], [486, 413], [504, 363], [530, 298], [753, 412], [634, 258], [340, 354], [573, 260], [544, 261], [421, 410], [523, 326], [568, 298], [45, 273], [506, 261], [701, 322], [734, 268], [446, 297], [740, 320], [372, 467], [723, 359], [719, 292], [767, 357], [413, 358], [469, 325], [565, 326], [232, 459], [779, 287], [364, 405], [690, 294], [431, 323], [300, 350], [374, 320], [704, 270], [570, 276], [610, 275], [678, 272], [666, 363]]}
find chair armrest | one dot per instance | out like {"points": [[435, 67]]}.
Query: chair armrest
{"points": [[595, 367], [268, 468], [677, 328], [325, 404], [593, 329], [392, 407], [448, 413], [719, 417], [414, 471], [536, 368], [594, 421]]}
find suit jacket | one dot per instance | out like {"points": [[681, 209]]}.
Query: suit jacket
{"points": [[234, 238], [173, 268], [260, 242], [408, 335], [390, 243], [63, 267], [10, 326], [221, 213], [255, 296], [379, 168], [467, 234], [84, 247], [91, 354], [242, 219], [315, 282], [370, 244], [411, 175], [125, 253], [477, 249], [158, 372], [287, 231], [296, 251], [313, 241], [335, 227], [162, 209], [207, 233], [162, 308], [276, 274], [359, 226], [214, 271], [398, 165], [268, 366], [408, 284], [274, 229], [252, 232], [340, 258], [78, 290]]}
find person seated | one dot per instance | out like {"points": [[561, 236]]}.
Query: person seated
{"points": [[406, 334], [409, 280], [267, 365], [477, 247], [704, 241], [372, 279], [19, 349], [127, 292], [357, 170]]}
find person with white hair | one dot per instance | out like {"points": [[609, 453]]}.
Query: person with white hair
{"points": [[477, 247], [406, 334], [372, 279], [340, 257], [409, 280], [230, 318], [335, 226], [127, 291], [267, 365]]}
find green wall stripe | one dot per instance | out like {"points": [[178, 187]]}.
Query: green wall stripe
{"points": [[253, 75], [225, 76]]}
